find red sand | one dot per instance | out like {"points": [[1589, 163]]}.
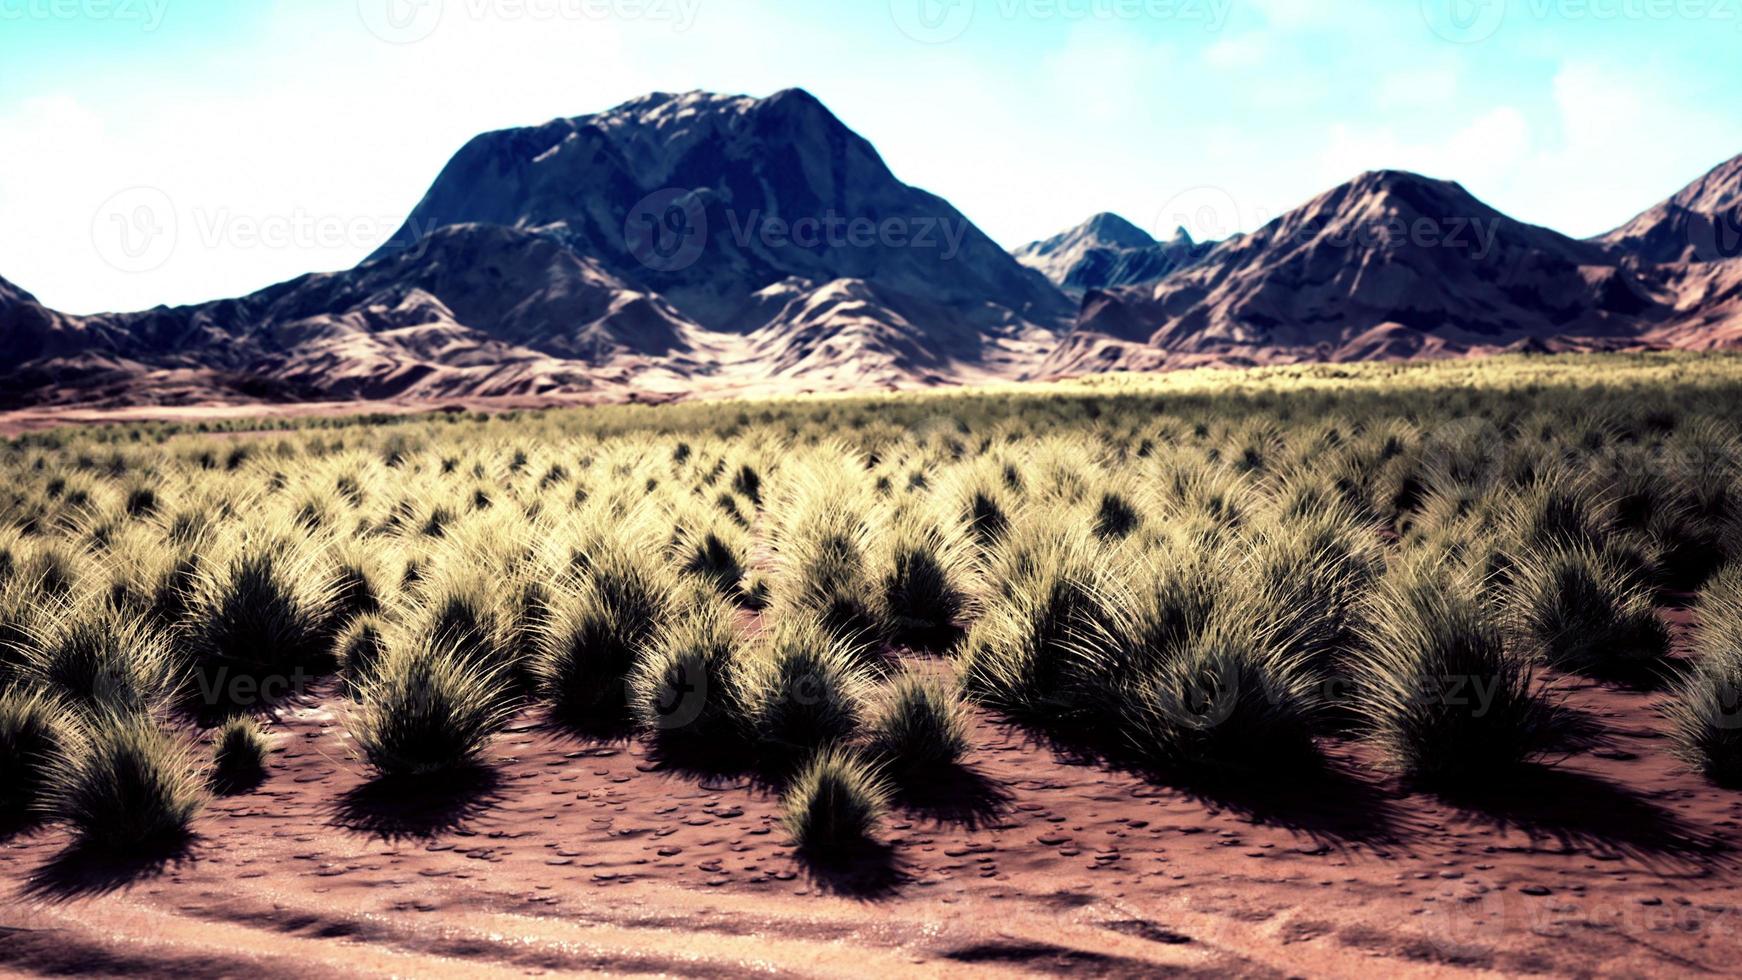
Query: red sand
{"points": [[586, 856]]}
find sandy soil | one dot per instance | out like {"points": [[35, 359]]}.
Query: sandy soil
{"points": [[575, 855]]}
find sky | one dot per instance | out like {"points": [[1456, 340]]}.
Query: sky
{"points": [[174, 151]]}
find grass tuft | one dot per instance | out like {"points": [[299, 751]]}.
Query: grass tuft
{"points": [[920, 728], [428, 709], [239, 750], [835, 803], [125, 784], [1444, 696]]}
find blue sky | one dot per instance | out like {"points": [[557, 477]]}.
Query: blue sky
{"points": [[276, 137]]}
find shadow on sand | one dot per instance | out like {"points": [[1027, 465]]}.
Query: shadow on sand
{"points": [[1576, 810], [959, 795], [84, 871], [1311, 796], [869, 872], [422, 807]]}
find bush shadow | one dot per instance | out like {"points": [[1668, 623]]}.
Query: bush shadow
{"points": [[872, 871], [417, 807], [957, 794], [1580, 811], [87, 871], [1309, 795]]}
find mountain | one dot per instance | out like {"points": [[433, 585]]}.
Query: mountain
{"points": [[1107, 251], [1390, 264], [680, 241], [709, 200], [683, 244], [1702, 223]]}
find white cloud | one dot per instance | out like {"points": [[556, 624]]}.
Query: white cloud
{"points": [[1418, 88]]}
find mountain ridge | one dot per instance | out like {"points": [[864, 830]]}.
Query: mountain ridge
{"points": [[690, 243]]}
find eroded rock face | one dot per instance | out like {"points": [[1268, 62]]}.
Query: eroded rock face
{"points": [[1702, 223], [1391, 265], [690, 243], [547, 258], [1106, 252]]}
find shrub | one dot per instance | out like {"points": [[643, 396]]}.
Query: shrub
{"points": [[1022, 655], [835, 803], [359, 580], [686, 692], [1704, 708], [101, 658], [360, 646], [460, 605], [263, 613], [1444, 697], [430, 708], [125, 784], [920, 727], [824, 548], [1313, 570], [1578, 610], [1211, 694], [593, 638], [239, 750], [922, 581], [30, 742], [802, 689], [1557, 511]]}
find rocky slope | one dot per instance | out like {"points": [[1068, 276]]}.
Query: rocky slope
{"points": [[683, 237], [711, 200], [1108, 251], [699, 243], [1390, 264], [1702, 223]]}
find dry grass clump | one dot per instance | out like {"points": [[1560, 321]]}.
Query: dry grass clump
{"points": [[124, 784], [97, 658], [429, 708], [1047, 588], [1578, 610], [686, 693], [1194, 673], [824, 547], [31, 739], [835, 803], [803, 690], [264, 613], [1704, 708], [596, 634], [1443, 695], [239, 750], [920, 727], [925, 572], [359, 647]]}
